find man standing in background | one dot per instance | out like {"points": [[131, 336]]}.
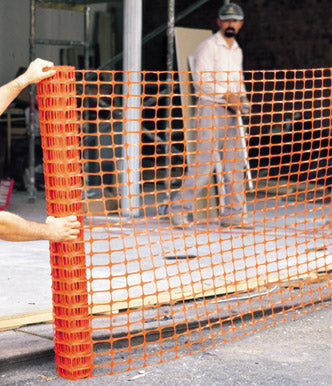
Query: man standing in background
{"points": [[221, 97]]}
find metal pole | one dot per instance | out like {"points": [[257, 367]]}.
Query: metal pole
{"points": [[87, 27], [31, 124], [242, 137], [132, 62], [170, 34], [163, 208]]}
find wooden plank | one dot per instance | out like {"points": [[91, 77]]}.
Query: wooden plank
{"points": [[18, 320], [186, 293]]}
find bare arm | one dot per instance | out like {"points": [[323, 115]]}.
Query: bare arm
{"points": [[33, 74], [15, 228]]}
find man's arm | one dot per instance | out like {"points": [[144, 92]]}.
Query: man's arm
{"points": [[34, 74], [15, 228], [214, 83]]}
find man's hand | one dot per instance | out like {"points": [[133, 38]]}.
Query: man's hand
{"points": [[245, 105], [62, 228], [233, 101], [238, 103], [36, 71], [34, 74]]}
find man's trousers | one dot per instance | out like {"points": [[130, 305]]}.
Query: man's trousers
{"points": [[217, 132]]}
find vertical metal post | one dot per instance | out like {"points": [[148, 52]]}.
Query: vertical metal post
{"points": [[87, 34], [31, 124], [163, 209], [170, 34], [132, 62]]}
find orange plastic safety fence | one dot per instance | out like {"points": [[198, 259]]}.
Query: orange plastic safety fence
{"points": [[202, 221]]}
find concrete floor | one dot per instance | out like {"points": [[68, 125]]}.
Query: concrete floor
{"points": [[285, 240]]}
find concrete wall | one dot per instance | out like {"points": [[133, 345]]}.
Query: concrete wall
{"points": [[51, 24]]}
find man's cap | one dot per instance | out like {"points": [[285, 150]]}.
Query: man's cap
{"points": [[230, 11]]}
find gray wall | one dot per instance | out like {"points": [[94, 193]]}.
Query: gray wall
{"points": [[51, 23]]}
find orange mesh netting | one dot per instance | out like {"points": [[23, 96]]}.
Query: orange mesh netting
{"points": [[199, 225]]}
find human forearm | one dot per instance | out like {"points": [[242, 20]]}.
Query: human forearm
{"points": [[208, 85], [15, 228], [10, 91]]}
